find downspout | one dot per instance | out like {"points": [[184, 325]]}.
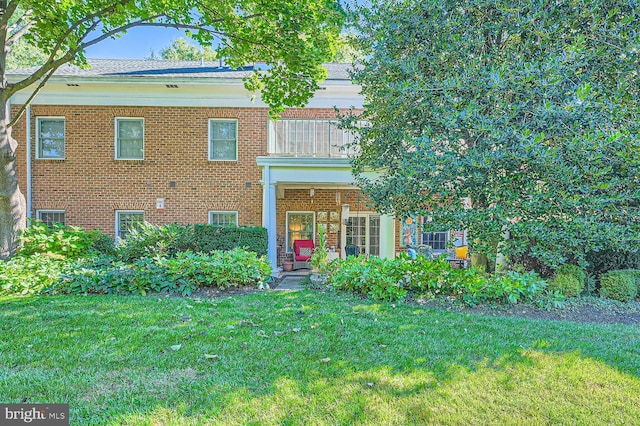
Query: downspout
{"points": [[28, 147]]}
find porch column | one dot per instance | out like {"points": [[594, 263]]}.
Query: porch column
{"points": [[269, 219], [387, 236]]}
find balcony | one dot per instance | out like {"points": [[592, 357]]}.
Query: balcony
{"points": [[309, 138]]}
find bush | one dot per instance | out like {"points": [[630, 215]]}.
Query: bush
{"points": [[375, 277], [70, 242], [568, 280], [207, 238], [566, 284], [618, 285], [30, 274], [387, 279], [222, 269], [109, 276], [167, 240], [573, 270], [181, 274], [150, 240], [635, 276], [604, 261]]}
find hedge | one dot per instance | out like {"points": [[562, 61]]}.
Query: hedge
{"points": [[168, 240], [208, 238]]}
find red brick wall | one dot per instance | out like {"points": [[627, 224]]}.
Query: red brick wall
{"points": [[90, 184]]}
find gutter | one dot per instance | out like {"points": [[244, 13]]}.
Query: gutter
{"points": [[28, 147]]}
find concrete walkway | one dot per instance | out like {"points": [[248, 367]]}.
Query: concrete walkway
{"points": [[291, 282]]}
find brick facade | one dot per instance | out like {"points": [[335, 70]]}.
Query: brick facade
{"points": [[90, 185]]}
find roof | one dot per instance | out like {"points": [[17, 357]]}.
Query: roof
{"points": [[166, 69]]}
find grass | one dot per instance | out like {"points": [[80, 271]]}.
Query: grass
{"points": [[310, 358]]}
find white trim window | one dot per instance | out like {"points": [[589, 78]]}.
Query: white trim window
{"points": [[50, 138], [129, 139], [436, 240], [49, 217], [126, 220], [223, 218], [300, 226], [223, 140]]}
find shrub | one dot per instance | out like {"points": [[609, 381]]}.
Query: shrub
{"points": [[222, 269], [167, 240], [568, 280], [574, 270], [70, 242], [387, 279], [105, 275], [635, 276], [604, 261], [566, 284], [376, 277], [207, 238], [102, 243], [30, 274], [618, 285], [182, 273], [150, 240]]}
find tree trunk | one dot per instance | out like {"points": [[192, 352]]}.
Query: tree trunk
{"points": [[13, 209]]}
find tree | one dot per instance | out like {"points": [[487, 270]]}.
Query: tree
{"points": [[347, 51], [182, 50], [527, 109], [295, 37], [24, 55]]}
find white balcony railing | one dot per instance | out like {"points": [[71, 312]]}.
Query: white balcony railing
{"points": [[309, 138]]}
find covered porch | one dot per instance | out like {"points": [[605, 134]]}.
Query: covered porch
{"points": [[300, 195]]}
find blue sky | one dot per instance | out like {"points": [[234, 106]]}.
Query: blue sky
{"points": [[137, 43]]}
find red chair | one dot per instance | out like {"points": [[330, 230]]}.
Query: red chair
{"points": [[302, 251]]}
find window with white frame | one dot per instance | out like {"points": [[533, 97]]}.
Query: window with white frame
{"points": [[129, 139], [223, 140], [127, 220], [50, 138], [223, 218], [300, 226], [436, 240], [49, 217]]}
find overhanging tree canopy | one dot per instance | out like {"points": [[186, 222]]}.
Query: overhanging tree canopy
{"points": [[181, 50], [295, 37], [529, 109]]}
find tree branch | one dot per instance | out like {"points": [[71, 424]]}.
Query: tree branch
{"points": [[7, 14], [194, 27], [20, 20], [53, 64], [33, 95], [95, 17], [22, 31]]}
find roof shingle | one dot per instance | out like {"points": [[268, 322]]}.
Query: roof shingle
{"points": [[163, 68]]}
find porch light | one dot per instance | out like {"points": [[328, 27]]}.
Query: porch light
{"points": [[345, 214]]}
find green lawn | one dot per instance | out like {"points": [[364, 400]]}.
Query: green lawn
{"points": [[310, 358]]}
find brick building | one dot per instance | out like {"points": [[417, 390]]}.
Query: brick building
{"points": [[185, 142]]}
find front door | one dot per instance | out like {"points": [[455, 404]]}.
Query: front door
{"points": [[363, 230]]}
